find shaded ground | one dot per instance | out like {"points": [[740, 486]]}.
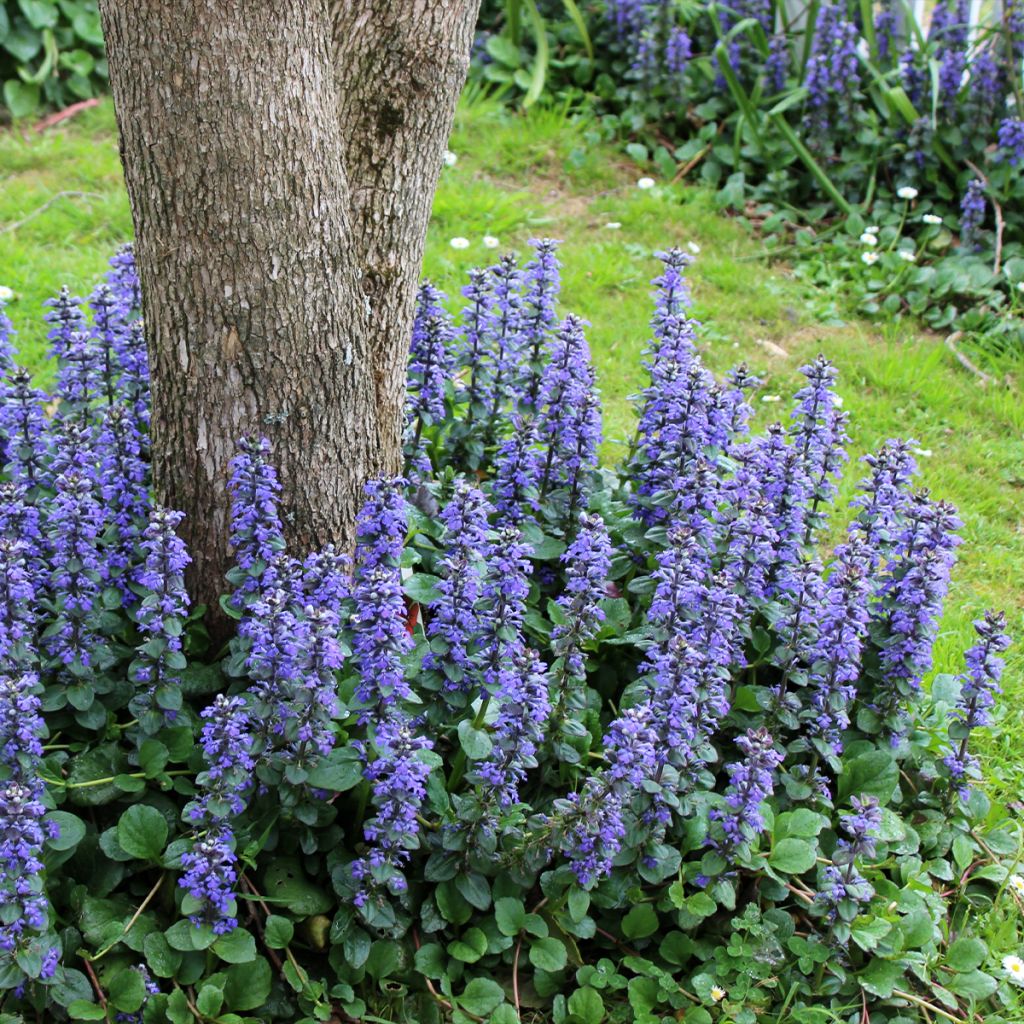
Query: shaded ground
{"points": [[520, 177]]}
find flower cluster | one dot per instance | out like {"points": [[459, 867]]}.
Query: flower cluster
{"points": [[676, 678]]}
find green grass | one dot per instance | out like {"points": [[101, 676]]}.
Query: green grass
{"points": [[542, 174]]}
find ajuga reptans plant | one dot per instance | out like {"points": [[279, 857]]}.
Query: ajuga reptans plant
{"points": [[555, 740]]}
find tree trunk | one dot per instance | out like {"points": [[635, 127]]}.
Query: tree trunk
{"points": [[281, 160]]}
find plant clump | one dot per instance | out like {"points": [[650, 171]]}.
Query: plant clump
{"points": [[557, 740]]}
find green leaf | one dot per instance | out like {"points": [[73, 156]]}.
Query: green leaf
{"points": [[421, 588], [475, 889], [475, 742], [802, 823], [469, 947], [162, 960], [872, 773], [482, 995], [72, 830], [510, 915], [209, 1000], [39, 13], [430, 960], [503, 51], [869, 932], [587, 1004], [236, 947], [20, 98], [340, 771], [880, 977], [385, 956], [82, 1010], [793, 856], [966, 954], [548, 954], [973, 984], [142, 832], [247, 986], [285, 883], [278, 931], [917, 928], [126, 991], [153, 758], [184, 935], [177, 1008], [641, 921]]}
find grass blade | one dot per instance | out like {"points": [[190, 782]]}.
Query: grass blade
{"points": [[581, 26], [541, 57]]}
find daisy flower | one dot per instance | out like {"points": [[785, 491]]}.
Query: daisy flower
{"points": [[450, 158], [5, 293], [869, 238], [932, 218], [693, 247], [613, 225], [717, 994], [907, 254], [645, 183], [869, 257], [907, 192], [459, 243], [1014, 967], [490, 242], [1017, 884]]}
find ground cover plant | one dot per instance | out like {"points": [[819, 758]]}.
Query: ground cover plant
{"points": [[516, 175], [51, 54], [902, 142], [573, 741]]}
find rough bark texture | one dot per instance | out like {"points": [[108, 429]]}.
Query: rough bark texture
{"points": [[281, 159], [399, 69]]}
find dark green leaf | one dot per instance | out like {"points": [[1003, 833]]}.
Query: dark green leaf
{"points": [[278, 931], [142, 832], [880, 977], [641, 921], [72, 830], [236, 947], [793, 856], [481, 996], [548, 954], [247, 986]]}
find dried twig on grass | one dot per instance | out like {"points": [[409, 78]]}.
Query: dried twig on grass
{"points": [[70, 194], [951, 341]]}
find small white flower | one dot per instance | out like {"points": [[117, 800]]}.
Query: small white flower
{"points": [[490, 242], [907, 254], [450, 158], [1014, 967], [459, 243], [907, 192], [869, 238], [645, 183], [869, 257], [717, 994], [1020, 286], [837, 401], [5, 293], [932, 218], [693, 247], [872, 229], [613, 225], [925, 453], [771, 398], [1017, 884]]}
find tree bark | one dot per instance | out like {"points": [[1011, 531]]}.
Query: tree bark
{"points": [[281, 160]]}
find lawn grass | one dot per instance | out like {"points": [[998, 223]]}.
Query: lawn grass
{"points": [[523, 176]]}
